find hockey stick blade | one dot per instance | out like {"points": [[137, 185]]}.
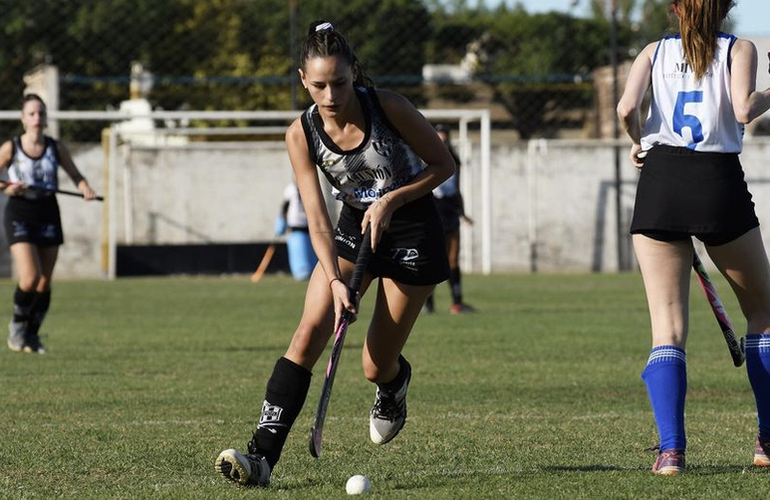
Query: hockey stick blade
{"points": [[316, 432], [734, 344]]}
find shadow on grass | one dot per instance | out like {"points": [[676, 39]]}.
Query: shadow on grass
{"points": [[707, 470]]}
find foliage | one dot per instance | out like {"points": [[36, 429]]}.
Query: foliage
{"points": [[242, 54]]}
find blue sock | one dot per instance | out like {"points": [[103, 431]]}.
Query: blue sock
{"points": [[666, 379], [758, 368]]}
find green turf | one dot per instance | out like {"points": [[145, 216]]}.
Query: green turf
{"points": [[536, 396]]}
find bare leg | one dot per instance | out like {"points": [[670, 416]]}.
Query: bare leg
{"points": [[665, 270], [743, 263], [395, 311]]}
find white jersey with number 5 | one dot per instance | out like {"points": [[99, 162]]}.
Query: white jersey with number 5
{"points": [[689, 113]]}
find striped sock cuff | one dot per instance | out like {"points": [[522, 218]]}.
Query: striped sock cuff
{"points": [[759, 342], [666, 353]]}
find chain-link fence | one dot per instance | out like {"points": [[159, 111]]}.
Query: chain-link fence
{"points": [[538, 73]]}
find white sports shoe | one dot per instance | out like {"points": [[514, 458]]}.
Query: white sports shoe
{"points": [[247, 470], [17, 333], [388, 414]]}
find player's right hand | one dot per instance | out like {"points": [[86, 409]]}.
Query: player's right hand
{"points": [[637, 155], [342, 302], [15, 188]]}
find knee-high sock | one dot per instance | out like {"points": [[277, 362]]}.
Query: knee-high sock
{"points": [[666, 378], [758, 369], [286, 393], [455, 286], [39, 309], [22, 303]]}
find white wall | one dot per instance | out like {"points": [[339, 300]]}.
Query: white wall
{"points": [[553, 205]]}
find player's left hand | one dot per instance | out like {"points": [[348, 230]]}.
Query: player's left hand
{"points": [[88, 193], [378, 215]]}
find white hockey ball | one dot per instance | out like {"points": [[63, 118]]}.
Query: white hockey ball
{"points": [[358, 485]]}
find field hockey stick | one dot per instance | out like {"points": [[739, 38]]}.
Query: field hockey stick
{"points": [[331, 369], [735, 345], [264, 263], [63, 191]]}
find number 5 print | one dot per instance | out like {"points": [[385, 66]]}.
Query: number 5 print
{"points": [[681, 120]]}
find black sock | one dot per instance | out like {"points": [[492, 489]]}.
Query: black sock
{"points": [[429, 302], [454, 285], [38, 310], [398, 382], [285, 395], [22, 302]]}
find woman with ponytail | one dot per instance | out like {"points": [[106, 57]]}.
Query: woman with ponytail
{"points": [[383, 159], [692, 184]]}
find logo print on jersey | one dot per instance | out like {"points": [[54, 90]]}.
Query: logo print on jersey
{"points": [[330, 162], [383, 146], [270, 417]]}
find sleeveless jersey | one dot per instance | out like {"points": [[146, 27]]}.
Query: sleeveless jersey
{"points": [[382, 162], [688, 113], [40, 171]]}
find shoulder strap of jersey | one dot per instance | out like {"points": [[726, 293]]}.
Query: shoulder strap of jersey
{"points": [[371, 94], [51, 142], [307, 127]]}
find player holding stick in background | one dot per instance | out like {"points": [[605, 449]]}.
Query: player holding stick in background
{"points": [[383, 158], [32, 220], [449, 202], [692, 184]]}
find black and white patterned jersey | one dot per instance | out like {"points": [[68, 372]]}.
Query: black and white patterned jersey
{"points": [[382, 162], [40, 171]]}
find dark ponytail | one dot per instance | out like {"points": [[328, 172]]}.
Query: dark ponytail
{"points": [[325, 41]]}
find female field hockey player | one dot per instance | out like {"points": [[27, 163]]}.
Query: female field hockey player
{"points": [[32, 221], [449, 202], [383, 158], [692, 184]]}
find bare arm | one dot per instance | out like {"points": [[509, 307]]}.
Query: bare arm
{"points": [[69, 166], [629, 106], [420, 135], [6, 155], [748, 103], [319, 224]]}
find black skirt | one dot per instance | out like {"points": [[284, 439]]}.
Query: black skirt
{"points": [[692, 192], [35, 221], [412, 251]]}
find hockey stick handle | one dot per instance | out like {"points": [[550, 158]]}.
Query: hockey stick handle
{"points": [[316, 432], [734, 344], [62, 191]]}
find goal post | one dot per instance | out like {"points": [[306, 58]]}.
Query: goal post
{"points": [[144, 165]]}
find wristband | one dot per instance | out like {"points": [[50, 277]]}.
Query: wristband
{"points": [[333, 280]]}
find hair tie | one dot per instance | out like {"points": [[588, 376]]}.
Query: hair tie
{"points": [[324, 26]]}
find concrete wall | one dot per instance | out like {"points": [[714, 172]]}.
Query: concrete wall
{"points": [[553, 203]]}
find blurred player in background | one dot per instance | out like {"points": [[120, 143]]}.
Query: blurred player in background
{"points": [[383, 159], [449, 202], [32, 220], [293, 219], [692, 184]]}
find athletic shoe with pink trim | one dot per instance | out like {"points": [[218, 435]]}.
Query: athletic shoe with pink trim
{"points": [[669, 463], [762, 453]]}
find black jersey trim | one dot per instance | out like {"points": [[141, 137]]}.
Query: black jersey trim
{"points": [[378, 106], [50, 141], [308, 129]]}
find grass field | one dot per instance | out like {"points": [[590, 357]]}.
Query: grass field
{"points": [[536, 396]]}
